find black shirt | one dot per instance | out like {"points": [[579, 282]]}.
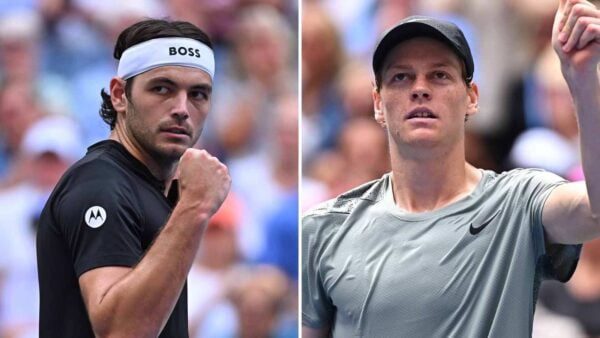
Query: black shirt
{"points": [[105, 211]]}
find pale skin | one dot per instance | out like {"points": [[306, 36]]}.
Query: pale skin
{"points": [[428, 163], [164, 120]]}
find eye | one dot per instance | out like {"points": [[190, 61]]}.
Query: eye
{"points": [[400, 77], [199, 94], [440, 75], [160, 89]]}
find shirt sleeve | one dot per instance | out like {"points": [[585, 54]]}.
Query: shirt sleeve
{"points": [[558, 261], [317, 308], [100, 220]]}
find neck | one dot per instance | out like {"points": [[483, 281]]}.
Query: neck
{"points": [[430, 181], [159, 169]]}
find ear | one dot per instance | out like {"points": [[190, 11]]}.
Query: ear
{"points": [[117, 94], [473, 98], [379, 116]]}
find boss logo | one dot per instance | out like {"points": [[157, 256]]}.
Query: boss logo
{"points": [[184, 51]]}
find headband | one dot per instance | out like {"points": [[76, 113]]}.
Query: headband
{"points": [[166, 52]]}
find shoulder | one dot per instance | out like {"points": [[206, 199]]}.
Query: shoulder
{"points": [[526, 174], [94, 176], [523, 180], [336, 210], [94, 168], [346, 202], [95, 184]]}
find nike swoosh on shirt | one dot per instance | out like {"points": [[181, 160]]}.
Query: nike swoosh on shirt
{"points": [[474, 230]]}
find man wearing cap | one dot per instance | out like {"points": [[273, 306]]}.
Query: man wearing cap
{"points": [[438, 248], [119, 232]]}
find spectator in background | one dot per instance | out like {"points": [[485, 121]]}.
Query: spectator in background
{"points": [[217, 17], [362, 146], [551, 142], [281, 222], [267, 179], [49, 147], [354, 83], [21, 35], [23, 84], [19, 109], [281, 243], [523, 40], [322, 58], [260, 301], [258, 75], [214, 270]]}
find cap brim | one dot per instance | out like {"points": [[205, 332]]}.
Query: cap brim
{"points": [[404, 32]]}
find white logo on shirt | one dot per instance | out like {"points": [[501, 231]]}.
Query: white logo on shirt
{"points": [[95, 216]]}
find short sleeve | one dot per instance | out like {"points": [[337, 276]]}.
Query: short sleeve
{"points": [[317, 309], [99, 220], [557, 261]]}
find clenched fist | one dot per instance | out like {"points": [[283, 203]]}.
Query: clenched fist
{"points": [[203, 180]]}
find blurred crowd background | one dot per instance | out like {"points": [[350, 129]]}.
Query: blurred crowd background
{"points": [[526, 116], [56, 56]]}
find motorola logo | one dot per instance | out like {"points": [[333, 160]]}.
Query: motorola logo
{"points": [[95, 216]]}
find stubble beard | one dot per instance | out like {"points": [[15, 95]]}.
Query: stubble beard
{"points": [[145, 136]]}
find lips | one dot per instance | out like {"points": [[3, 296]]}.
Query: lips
{"points": [[420, 112], [180, 130]]}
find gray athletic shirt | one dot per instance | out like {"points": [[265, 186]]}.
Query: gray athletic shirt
{"points": [[469, 269]]}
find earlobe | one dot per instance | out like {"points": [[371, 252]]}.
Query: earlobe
{"points": [[473, 96], [379, 116], [117, 94]]}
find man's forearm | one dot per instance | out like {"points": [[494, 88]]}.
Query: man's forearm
{"points": [[586, 95], [140, 303]]}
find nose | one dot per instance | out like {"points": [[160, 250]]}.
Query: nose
{"points": [[179, 109], [420, 90]]}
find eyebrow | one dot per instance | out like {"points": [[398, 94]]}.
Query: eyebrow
{"points": [[162, 79], [441, 65], [433, 65]]}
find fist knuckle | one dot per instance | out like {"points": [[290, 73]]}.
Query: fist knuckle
{"points": [[222, 172], [583, 21], [579, 9], [186, 154]]}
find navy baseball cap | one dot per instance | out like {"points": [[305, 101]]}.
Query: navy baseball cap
{"points": [[416, 26]]}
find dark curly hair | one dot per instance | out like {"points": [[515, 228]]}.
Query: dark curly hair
{"points": [[138, 33]]}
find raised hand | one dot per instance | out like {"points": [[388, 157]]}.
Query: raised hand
{"points": [[204, 181], [576, 38]]}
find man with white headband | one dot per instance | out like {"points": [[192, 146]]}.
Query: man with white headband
{"points": [[118, 235]]}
